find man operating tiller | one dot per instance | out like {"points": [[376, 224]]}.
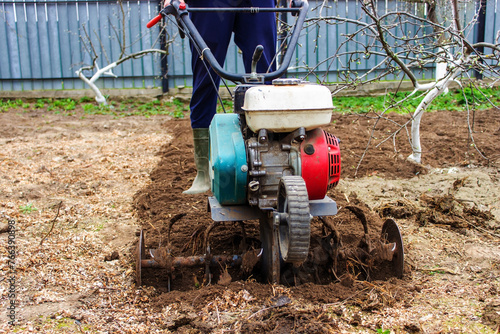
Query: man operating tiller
{"points": [[216, 28]]}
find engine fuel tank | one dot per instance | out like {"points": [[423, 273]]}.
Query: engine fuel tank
{"points": [[284, 107], [227, 160]]}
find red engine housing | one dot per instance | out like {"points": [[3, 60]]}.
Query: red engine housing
{"points": [[320, 155]]}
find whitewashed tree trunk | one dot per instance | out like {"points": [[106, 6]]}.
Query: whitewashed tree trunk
{"points": [[108, 70], [98, 95], [434, 90], [441, 67]]}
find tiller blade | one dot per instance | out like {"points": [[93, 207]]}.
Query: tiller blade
{"points": [[373, 259], [162, 258], [392, 247]]}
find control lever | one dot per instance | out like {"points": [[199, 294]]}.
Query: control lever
{"points": [[255, 59], [154, 21], [170, 9]]}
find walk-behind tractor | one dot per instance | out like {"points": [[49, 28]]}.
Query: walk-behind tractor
{"points": [[270, 161]]}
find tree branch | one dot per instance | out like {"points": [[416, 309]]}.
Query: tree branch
{"points": [[107, 70]]}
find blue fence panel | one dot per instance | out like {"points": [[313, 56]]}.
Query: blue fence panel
{"points": [[492, 26], [45, 42], [5, 67]]}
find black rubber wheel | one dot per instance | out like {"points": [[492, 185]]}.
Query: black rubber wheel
{"points": [[295, 219]]}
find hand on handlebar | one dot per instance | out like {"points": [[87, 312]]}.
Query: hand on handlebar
{"points": [[168, 8], [167, 2]]}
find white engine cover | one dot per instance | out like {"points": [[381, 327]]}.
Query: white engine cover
{"points": [[284, 108]]}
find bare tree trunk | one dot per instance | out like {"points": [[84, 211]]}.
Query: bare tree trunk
{"points": [[438, 89], [101, 99]]}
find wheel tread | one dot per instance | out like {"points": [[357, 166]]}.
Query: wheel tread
{"points": [[299, 224]]}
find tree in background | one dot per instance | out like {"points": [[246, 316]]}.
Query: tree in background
{"points": [[414, 36], [89, 38], [405, 41]]}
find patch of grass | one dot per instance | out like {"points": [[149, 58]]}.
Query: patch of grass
{"points": [[40, 103], [55, 105], [434, 272], [99, 227], [28, 208], [64, 104], [175, 108], [462, 324], [150, 108], [97, 109], [176, 114], [383, 331], [455, 100], [13, 104], [179, 108], [85, 99], [228, 106], [60, 324]]}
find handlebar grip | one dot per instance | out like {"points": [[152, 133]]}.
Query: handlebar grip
{"points": [[257, 53], [154, 21]]}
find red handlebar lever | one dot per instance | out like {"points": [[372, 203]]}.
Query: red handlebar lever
{"points": [[154, 21], [165, 11]]}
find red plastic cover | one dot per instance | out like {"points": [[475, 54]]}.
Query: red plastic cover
{"points": [[320, 155]]}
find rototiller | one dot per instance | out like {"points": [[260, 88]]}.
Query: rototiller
{"points": [[269, 160]]}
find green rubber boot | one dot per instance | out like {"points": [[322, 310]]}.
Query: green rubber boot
{"points": [[201, 182]]}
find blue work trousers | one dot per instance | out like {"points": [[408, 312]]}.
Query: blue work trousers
{"points": [[216, 28]]}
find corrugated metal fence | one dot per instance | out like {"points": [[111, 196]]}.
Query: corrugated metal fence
{"points": [[43, 43]]}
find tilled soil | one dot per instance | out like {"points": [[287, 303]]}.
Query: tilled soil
{"points": [[99, 180]]}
